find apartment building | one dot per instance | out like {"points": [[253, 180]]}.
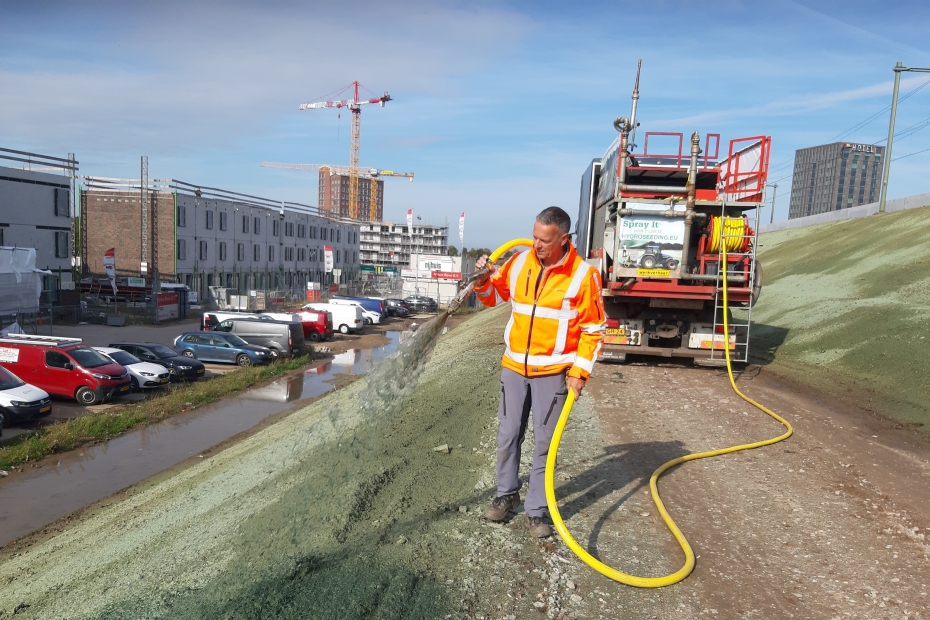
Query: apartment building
{"points": [[210, 237], [387, 244]]}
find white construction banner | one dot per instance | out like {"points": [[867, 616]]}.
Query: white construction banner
{"points": [[410, 222], [109, 265], [462, 228], [328, 258]]}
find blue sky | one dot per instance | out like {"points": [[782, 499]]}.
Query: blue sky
{"points": [[497, 106]]}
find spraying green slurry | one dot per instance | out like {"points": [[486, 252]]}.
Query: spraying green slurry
{"points": [[846, 309], [341, 510]]}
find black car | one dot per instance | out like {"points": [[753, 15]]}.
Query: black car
{"points": [[419, 303], [181, 368], [396, 307]]}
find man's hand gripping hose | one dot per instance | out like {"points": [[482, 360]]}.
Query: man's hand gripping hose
{"points": [[480, 273], [684, 571]]}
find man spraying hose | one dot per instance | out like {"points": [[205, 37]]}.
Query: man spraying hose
{"points": [[551, 343]]}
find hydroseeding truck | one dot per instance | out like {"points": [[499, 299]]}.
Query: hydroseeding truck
{"points": [[665, 226]]}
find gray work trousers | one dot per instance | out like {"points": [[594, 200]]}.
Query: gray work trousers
{"points": [[519, 394]]}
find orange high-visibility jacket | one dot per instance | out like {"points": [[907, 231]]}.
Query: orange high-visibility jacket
{"points": [[558, 316]]}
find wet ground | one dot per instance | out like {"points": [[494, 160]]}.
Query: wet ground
{"points": [[344, 510]]}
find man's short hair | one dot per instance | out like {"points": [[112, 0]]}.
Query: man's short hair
{"points": [[555, 215]]}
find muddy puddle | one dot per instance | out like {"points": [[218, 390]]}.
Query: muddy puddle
{"points": [[37, 497]]}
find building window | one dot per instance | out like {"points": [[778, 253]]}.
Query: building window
{"points": [[209, 219], [182, 249], [203, 250], [339, 236], [182, 216], [288, 229], [240, 251], [256, 253], [338, 257], [257, 225], [222, 250], [245, 224], [332, 234], [62, 246], [301, 230], [222, 220], [270, 253], [62, 202], [275, 228], [288, 254]]}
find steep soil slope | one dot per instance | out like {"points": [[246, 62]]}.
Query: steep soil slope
{"points": [[845, 309]]}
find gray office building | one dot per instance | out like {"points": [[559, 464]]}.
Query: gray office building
{"points": [[835, 176]]}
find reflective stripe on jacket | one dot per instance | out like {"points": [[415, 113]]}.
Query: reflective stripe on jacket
{"points": [[558, 316]]}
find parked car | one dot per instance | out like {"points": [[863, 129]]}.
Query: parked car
{"points": [[219, 347], [318, 325], [345, 318], [64, 367], [19, 401], [212, 319], [419, 303], [179, 368], [142, 375], [279, 337], [396, 307], [372, 304], [370, 317]]}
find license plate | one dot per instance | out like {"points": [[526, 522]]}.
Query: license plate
{"points": [[44, 409], [165, 380], [616, 331], [125, 388]]}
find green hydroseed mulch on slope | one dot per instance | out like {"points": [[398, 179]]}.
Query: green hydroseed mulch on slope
{"points": [[342, 510], [846, 309]]}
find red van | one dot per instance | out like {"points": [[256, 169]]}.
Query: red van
{"points": [[64, 367], [318, 325]]}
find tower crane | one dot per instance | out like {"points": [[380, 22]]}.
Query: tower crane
{"points": [[367, 173], [355, 105]]}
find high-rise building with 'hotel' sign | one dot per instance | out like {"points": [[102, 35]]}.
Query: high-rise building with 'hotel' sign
{"points": [[835, 176]]}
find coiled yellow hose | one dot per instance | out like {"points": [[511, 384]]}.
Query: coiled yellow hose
{"points": [[732, 229], [684, 571]]}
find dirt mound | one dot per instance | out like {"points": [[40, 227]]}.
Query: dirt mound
{"points": [[342, 510], [845, 308]]}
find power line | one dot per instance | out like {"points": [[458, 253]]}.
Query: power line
{"points": [[860, 124]]}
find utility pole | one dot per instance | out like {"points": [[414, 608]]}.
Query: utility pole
{"points": [[774, 187], [898, 68]]}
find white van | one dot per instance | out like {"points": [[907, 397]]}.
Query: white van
{"points": [[345, 318], [370, 318]]}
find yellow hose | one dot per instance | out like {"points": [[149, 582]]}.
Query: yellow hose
{"points": [[684, 571], [733, 229], [509, 246]]}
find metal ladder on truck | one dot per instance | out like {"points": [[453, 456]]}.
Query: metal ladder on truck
{"points": [[743, 190]]}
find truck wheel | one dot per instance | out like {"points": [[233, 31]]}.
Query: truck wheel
{"points": [[244, 360], [85, 396], [648, 262], [189, 354], [343, 329], [313, 337]]}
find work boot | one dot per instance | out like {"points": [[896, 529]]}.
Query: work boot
{"points": [[499, 508], [537, 527]]}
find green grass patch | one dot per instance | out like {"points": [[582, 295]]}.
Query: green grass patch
{"points": [[95, 427]]}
